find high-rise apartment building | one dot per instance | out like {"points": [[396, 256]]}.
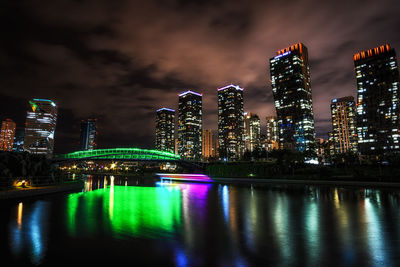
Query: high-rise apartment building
{"points": [[291, 87], [344, 130], [190, 125], [40, 127], [19, 140], [88, 134], [272, 133], [252, 129], [165, 130], [378, 118], [209, 144], [7, 135], [230, 122]]}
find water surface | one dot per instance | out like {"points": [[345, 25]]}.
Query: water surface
{"points": [[117, 220]]}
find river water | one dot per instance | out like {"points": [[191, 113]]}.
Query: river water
{"points": [[116, 220]]}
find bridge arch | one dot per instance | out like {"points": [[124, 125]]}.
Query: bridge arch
{"points": [[120, 154]]}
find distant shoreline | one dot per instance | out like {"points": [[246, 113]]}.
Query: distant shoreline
{"points": [[39, 191], [373, 184]]}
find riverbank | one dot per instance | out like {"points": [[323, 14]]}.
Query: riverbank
{"points": [[373, 184], [264, 170], [16, 193]]}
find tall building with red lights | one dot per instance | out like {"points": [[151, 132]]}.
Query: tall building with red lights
{"points": [[291, 87], [378, 114]]}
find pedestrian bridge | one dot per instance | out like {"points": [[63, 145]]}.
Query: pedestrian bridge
{"points": [[134, 154]]}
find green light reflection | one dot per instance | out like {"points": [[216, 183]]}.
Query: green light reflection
{"points": [[125, 211]]}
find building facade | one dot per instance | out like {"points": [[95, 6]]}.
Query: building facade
{"points": [[377, 76], [7, 135], [19, 140], [291, 87], [40, 127], [176, 147], [165, 130], [321, 146], [190, 125], [252, 130], [230, 122], [272, 133], [88, 134], [209, 144], [344, 129]]}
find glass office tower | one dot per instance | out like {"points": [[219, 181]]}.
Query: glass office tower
{"points": [[190, 125], [230, 122], [291, 87], [88, 134], [40, 127], [252, 129], [165, 130]]}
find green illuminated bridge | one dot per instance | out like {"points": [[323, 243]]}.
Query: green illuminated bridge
{"points": [[120, 154]]}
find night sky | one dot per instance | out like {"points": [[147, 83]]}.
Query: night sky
{"points": [[120, 61]]}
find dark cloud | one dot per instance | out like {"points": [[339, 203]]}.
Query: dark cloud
{"points": [[119, 61]]}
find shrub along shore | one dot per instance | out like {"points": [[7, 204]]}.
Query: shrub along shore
{"points": [[268, 170]]}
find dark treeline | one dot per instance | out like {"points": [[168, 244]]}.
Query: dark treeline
{"points": [[17, 164], [292, 165]]}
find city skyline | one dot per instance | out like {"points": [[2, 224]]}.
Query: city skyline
{"points": [[92, 66]]}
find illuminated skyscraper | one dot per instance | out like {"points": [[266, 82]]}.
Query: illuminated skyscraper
{"points": [[165, 130], [230, 122], [7, 135], [19, 140], [88, 134], [252, 129], [378, 121], [290, 78], [209, 144], [190, 125], [40, 127], [272, 133], [343, 111]]}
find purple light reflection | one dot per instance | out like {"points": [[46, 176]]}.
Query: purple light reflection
{"points": [[185, 177]]}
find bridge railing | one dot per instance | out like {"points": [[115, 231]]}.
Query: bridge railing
{"points": [[121, 153]]}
